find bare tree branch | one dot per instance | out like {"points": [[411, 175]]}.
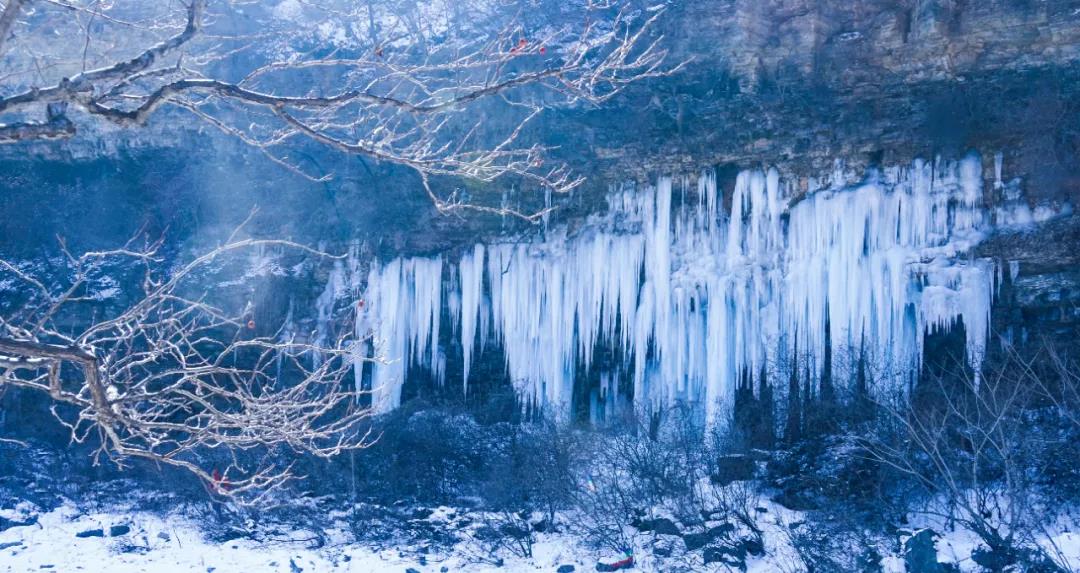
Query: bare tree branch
{"points": [[173, 377], [970, 447], [405, 99]]}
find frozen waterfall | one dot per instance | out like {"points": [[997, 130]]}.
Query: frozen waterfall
{"points": [[690, 287]]}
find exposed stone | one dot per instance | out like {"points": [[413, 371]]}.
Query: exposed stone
{"points": [[91, 533], [131, 548], [735, 467], [540, 525], [233, 533], [695, 541], [565, 569], [118, 530], [754, 546], [9, 523], [730, 555], [989, 559], [722, 530], [663, 547], [660, 526], [771, 81], [920, 552]]}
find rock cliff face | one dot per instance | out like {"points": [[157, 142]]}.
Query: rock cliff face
{"points": [[1040, 294], [805, 82], [794, 80], [795, 84], [865, 44]]}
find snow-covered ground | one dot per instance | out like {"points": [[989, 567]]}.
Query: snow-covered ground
{"points": [[174, 542], [125, 540]]}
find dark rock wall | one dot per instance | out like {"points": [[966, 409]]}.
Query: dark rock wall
{"points": [[864, 44], [802, 82], [795, 84]]}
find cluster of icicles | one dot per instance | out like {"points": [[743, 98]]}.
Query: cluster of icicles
{"points": [[691, 287]]}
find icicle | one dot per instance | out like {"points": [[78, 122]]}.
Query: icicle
{"points": [[400, 313], [324, 307], [691, 296], [471, 275], [999, 158]]}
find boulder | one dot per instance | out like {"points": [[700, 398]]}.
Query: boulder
{"points": [[920, 552], [796, 499], [231, 534], [9, 523], [990, 559], [540, 525], [660, 526], [565, 569], [118, 530], [722, 530], [132, 549], [730, 555], [91, 533], [663, 547], [734, 467], [753, 546], [695, 541]]}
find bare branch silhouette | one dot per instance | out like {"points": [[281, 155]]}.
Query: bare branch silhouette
{"points": [[172, 376], [397, 96]]}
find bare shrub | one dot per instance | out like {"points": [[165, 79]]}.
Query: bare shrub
{"points": [[974, 443], [658, 464]]}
